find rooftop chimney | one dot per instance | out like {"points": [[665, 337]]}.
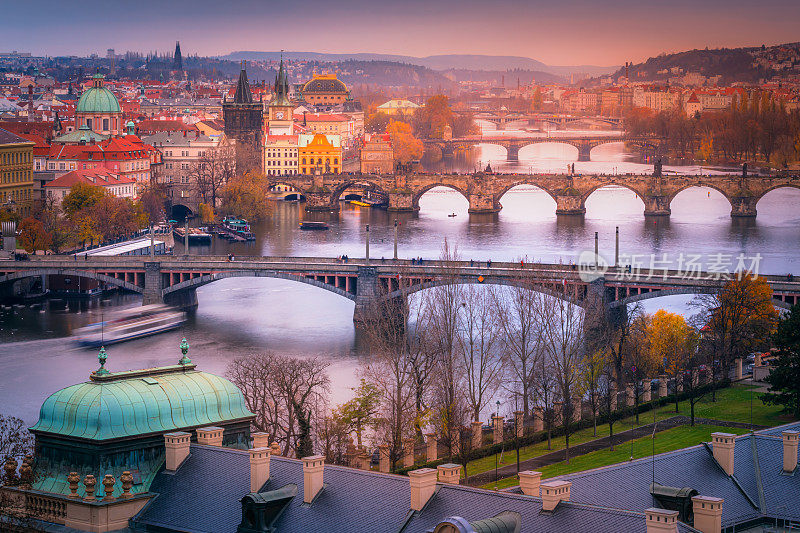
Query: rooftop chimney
{"points": [[313, 468], [553, 492], [707, 513], [260, 439], [790, 440], [449, 473], [661, 520], [723, 445], [210, 436], [177, 445], [529, 482], [259, 468], [423, 483]]}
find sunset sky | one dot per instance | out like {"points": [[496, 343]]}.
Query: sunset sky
{"points": [[561, 32]]}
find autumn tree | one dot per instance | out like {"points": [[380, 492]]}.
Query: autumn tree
{"points": [[154, 200], [246, 196], [638, 357], [431, 119], [784, 377], [213, 170], [81, 196], [333, 437], [33, 236], [377, 122], [405, 146], [737, 320], [592, 368], [672, 342]]}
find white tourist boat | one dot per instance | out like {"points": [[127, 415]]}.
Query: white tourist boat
{"points": [[131, 324]]}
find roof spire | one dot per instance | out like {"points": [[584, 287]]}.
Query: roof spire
{"points": [[243, 94], [184, 346], [102, 358]]}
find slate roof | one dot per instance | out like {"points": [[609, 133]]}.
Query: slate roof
{"points": [[758, 488], [203, 496]]}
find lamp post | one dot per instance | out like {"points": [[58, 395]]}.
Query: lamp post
{"points": [[367, 244], [496, 413], [395, 239]]}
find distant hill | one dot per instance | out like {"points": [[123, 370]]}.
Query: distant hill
{"points": [[435, 62], [732, 64]]}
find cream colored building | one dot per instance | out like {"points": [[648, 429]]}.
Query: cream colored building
{"points": [[280, 155]]}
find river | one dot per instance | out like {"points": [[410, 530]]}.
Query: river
{"points": [[238, 317]]}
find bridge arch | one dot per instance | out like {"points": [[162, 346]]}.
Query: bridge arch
{"points": [[498, 196], [587, 194], [366, 180], [199, 281], [700, 185], [473, 280], [419, 193], [181, 211], [678, 291], [22, 274], [788, 185]]}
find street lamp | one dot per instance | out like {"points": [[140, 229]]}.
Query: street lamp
{"points": [[496, 413]]}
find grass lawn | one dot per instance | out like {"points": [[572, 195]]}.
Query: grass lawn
{"points": [[733, 404], [671, 439]]}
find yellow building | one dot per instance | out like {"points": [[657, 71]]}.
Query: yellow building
{"points": [[16, 173], [325, 89], [323, 152]]}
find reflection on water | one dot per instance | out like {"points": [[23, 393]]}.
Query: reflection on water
{"points": [[241, 316]]}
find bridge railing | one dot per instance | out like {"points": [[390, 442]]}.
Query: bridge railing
{"points": [[567, 271]]}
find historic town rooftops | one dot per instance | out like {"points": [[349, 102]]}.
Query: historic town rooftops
{"points": [[179, 139], [324, 83], [131, 404], [319, 140], [6, 137], [81, 135], [90, 176], [320, 117], [203, 496], [398, 104], [156, 126]]}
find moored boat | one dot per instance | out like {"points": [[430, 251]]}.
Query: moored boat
{"points": [[314, 225]]}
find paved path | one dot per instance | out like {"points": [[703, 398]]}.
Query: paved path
{"points": [[557, 456]]}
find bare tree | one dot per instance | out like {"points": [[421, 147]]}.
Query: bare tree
{"points": [[213, 170], [284, 393], [563, 343], [478, 347], [521, 336]]}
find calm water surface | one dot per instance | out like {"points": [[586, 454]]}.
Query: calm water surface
{"points": [[238, 317]]}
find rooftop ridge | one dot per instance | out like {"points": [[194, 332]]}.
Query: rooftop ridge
{"points": [[144, 372]]}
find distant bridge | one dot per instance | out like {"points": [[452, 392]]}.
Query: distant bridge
{"points": [[175, 279], [584, 143], [502, 119]]}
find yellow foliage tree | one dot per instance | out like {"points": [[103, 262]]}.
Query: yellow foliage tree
{"points": [[206, 213], [672, 342], [246, 196], [405, 146]]}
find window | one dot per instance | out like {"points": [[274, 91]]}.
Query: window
{"points": [[105, 124], [89, 123]]}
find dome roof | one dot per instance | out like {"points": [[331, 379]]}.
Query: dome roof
{"points": [[325, 84], [98, 99], [133, 403]]}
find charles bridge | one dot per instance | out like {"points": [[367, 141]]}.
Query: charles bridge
{"points": [[484, 190], [174, 279]]}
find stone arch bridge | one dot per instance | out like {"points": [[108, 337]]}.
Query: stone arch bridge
{"points": [[174, 280], [503, 119], [512, 145], [484, 190]]}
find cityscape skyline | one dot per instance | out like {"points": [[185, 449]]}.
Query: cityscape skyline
{"points": [[629, 31]]}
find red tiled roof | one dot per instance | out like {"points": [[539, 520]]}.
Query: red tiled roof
{"points": [[91, 176]]}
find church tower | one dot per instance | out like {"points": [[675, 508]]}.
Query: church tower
{"points": [[280, 108], [244, 123], [177, 59]]}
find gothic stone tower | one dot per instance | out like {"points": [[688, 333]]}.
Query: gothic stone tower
{"points": [[244, 124], [177, 59]]}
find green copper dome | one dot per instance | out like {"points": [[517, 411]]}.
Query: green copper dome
{"points": [[133, 403], [98, 99]]}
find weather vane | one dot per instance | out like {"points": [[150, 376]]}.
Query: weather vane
{"points": [[184, 350], [102, 358]]}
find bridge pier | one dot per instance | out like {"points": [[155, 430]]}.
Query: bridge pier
{"points": [[584, 152], [320, 200], [656, 206], [367, 294], [512, 152], [569, 204], [482, 203], [153, 283], [401, 200], [743, 206]]}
